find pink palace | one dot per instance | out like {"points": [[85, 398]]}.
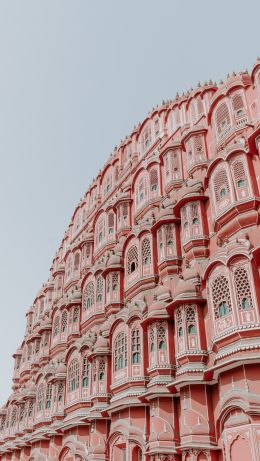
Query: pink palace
{"points": [[144, 343]]}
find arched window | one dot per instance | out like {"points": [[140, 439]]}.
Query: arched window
{"points": [[198, 148], [120, 352], [124, 208], [243, 288], [223, 121], [22, 412], [240, 178], [221, 184], [167, 166], [190, 319], [48, 396], [238, 105], [75, 314], [40, 397], [85, 372], [99, 290], [88, 296], [111, 222], [162, 345], [116, 173], [76, 262], [64, 321], [115, 282], [156, 127], [146, 139], [59, 285], [192, 111], [60, 392], [161, 336], [102, 369], [200, 108], [69, 267], [169, 235], [141, 192], [221, 297], [195, 218], [73, 382], [132, 260], [154, 180], [107, 183], [191, 329], [30, 408], [100, 231], [136, 345], [14, 416], [146, 252], [56, 326]]}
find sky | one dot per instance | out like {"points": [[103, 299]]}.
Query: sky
{"points": [[75, 77]]}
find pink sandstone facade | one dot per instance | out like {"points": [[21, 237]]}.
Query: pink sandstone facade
{"points": [[144, 343]]}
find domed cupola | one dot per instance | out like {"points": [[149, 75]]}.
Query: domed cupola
{"points": [[101, 347], [187, 288], [157, 308], [191, 191], [61, 371]]}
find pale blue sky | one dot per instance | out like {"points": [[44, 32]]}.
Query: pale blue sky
{"points": [[75, 77]]}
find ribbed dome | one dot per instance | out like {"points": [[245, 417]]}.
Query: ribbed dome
{"points": [[162, 292], [61, 368], [101, 343]]}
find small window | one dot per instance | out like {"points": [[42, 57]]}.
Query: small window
{"points": [[141, 197], [240, 113], [136, 357], [100, 237], [180, 332], [102, 376], [99, 298], [241, 183], [154, 187], [195, 221], [161, 245], [152, 347], [110, 231], [162, 345], [121, 362], [85, 382], [73, 384], [88, 303], [245, 304], [223, 309], [191, 329], [223, 193], [146, 261], [133, 267]]}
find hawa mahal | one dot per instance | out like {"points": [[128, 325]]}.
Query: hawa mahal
{"points": [[144, 343]]}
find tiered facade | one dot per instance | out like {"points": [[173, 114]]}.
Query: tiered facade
{"points": [[144, 342]]}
